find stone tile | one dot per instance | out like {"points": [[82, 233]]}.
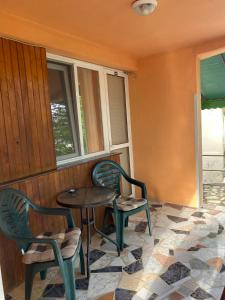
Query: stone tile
{"points": [[216, 262], [184, 291], [180, 231], [164, 260], [102, 283], [141, 227], [198, 214], [175, 273], [82, 284], [171, 252], [175, 296], [156, 241], [196, 247], [198, 264], [137, 253], [222, 269], [108, 269], [143, 294], [158, 286], [213, 212], [176, 219], [200, 294], [109, 296], [220, 229], [95, 255], [134, 267], [54, 290], [103, 261], [122, 294], [153, 296], [199, 222], [135, 281]]}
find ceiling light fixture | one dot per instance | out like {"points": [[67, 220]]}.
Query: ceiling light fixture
{"points": [[144, 7]]}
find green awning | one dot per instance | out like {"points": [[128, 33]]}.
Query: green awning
{"points": [[207, 104], [213, 82]]}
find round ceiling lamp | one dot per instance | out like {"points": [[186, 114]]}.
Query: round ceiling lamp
{"points": [[144, 7]]}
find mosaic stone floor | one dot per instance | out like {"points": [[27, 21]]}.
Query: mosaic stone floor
{"points": [[184, 259]]}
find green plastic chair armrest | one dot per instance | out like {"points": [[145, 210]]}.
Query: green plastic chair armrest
{"points": [[52, 242], [56, 212], [137, 183]]}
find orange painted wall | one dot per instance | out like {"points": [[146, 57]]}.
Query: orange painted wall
{"points": [[162, 113], [57, 42], [162, 110]]}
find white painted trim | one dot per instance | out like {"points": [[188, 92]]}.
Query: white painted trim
{"points": [[104, 108], [213, 154], [78, 110], [117, 147], [198, 150], [78, 63]]}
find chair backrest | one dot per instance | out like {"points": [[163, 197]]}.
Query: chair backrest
{"points": [[108, 173], [14, 218]]}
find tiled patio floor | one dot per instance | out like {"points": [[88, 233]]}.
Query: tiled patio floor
{"points": [[184, 259]]}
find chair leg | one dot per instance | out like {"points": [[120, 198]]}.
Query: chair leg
{"points": [[82, 265], [106, 219], [69, 279], [126, 221], [43, 274], [148, 219], [120, 221], [29, 277]]}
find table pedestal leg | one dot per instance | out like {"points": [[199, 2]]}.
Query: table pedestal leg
{"points": [[88, 240], [103, 234]]}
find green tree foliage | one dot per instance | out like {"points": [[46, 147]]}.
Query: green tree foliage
{"points": [[62, 130]]}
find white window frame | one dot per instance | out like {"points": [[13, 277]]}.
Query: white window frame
{"points": [[108, 147], [75, 134], [75, 64], [129, 144]]}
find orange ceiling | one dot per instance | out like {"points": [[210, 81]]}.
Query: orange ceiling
{"points": [[175, 23]]}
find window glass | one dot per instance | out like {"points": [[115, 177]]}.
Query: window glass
{"points": [[117, 108], [90, 105], [62, 109]]}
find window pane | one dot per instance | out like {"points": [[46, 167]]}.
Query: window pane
{"points": [[91, 116], [117, 107], [125, 164], [62, 110]]}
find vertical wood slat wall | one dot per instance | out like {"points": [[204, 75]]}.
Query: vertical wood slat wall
{"points": [[27, 144]]}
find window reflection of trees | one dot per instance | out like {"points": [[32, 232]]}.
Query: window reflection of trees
{"points": [[62, 130]]}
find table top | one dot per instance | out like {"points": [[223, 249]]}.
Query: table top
{"points": [[86, 197]]}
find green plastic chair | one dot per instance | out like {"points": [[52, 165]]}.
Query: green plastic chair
{"points": [[14, 223], [108, 173]]}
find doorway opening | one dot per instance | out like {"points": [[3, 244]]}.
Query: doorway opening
{"points": [[212, 81]]}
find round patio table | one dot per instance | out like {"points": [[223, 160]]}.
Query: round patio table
{"points": [[88, 198]]}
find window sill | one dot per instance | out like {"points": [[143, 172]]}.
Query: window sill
{"points": [[75, 162]]}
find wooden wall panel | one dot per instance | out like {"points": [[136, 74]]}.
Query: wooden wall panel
{"points": [[43, 190], [27, 143]]}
